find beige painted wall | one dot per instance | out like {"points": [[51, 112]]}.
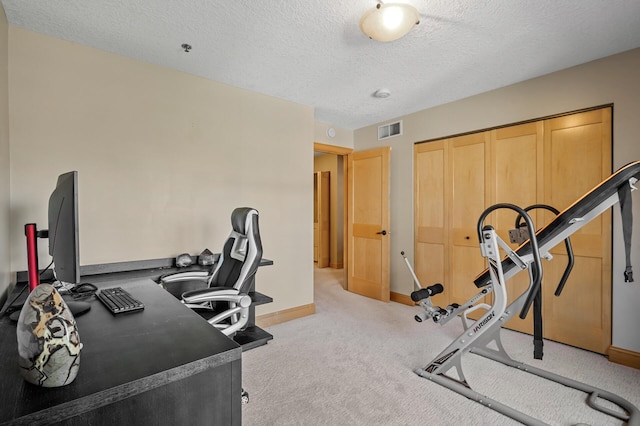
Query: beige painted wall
{"points": [[5, 256], [163, 158], [609, 80], [343, 137]]}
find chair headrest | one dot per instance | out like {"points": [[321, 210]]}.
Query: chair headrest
{"points": [[241, 221], [239, 218]]}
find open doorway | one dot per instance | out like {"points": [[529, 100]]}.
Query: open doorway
{"points": [[325, 204], [333, 159]]}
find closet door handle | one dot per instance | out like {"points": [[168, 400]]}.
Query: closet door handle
{"points": [[383, 232]]}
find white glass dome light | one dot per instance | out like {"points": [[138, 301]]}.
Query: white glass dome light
{"points": [[389, 21]]}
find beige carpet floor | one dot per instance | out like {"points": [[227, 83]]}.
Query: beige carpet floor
{"points": [[352, 363]]}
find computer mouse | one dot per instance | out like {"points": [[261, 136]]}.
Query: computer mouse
{"points": [[85, 288], [78, 308]]}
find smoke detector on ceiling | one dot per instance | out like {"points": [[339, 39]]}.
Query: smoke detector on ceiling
{"points": [[382, 93]]}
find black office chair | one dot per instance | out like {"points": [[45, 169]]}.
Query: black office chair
{"points": [[223, 299]]}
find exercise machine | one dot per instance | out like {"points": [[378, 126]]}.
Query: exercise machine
{"points": [[482, 336]]}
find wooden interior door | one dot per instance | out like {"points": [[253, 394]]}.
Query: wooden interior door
{"points": [[315, 218], [368, 223], [578, 157], [323, 215]]}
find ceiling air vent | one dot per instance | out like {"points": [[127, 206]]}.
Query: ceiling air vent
{"points": [[389, 130]]}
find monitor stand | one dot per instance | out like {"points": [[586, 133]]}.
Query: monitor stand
{"points": [[32, 234]]}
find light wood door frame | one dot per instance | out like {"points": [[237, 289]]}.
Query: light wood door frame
{"points": [[343, 152]]}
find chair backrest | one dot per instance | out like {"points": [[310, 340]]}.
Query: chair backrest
{"points": [[241, 254]]}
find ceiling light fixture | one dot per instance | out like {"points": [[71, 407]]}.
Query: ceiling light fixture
{"points": [[389, 22]]}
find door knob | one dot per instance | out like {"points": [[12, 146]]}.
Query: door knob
{"points": [[383, 232]]}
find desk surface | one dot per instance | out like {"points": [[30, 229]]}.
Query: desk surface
{"points": [[122, 356]]}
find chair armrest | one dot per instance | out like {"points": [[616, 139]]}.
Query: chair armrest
{"points": [[242, 300], [210, 294], [185, 276], [238, 313]]}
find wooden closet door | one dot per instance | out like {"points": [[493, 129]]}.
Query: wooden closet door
{"points": [[517, 172], [469, 196], [553, 162], [431, 184], [577, 158]]}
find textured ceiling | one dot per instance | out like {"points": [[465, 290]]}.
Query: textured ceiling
{"points": [[313, 53]]}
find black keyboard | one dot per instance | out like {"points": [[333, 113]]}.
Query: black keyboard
{"points": [[119, 301]]}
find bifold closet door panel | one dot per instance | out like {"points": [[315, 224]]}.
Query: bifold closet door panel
{"points": [[431, 260], [517, 178], [469, 168], [577, 158]]}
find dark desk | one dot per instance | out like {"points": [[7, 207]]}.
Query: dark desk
{"points": [[161, 366], [251, 337]]}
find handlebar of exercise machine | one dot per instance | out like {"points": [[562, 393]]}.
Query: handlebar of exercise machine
{"points": [[537, 263], [567, 244]]}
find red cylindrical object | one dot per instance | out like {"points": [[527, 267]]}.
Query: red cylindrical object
{"points": [[31, 232]]}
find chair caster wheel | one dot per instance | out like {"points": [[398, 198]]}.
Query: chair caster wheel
{"points": [[244, 397]]}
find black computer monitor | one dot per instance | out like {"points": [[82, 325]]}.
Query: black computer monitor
{"points": [[63, 229]]}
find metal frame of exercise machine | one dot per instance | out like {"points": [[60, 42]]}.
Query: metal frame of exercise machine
{"points": [[478, 335]]}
